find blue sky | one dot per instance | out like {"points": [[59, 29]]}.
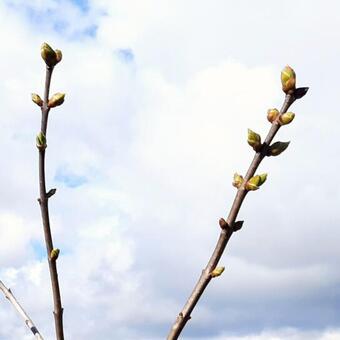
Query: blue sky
{"points": [[159, 96]]}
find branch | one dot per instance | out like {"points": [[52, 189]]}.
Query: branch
{"points": [[9, 295], [51, 58], [244, 185]]}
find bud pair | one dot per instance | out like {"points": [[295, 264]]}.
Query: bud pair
{"points": [[255, 182], [50, 56]]}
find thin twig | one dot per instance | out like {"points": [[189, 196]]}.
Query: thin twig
{"points": [[9, 295], [227, 231], [43, 201]]}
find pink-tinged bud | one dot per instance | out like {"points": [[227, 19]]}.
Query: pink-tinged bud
{"points": [[272, 114], [288, 79], [56, 100]]}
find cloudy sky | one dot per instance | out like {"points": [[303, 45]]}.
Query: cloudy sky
{"points": [[159, 96]]}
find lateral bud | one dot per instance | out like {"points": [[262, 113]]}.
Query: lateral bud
{"points": [[223, 224], [277, 148], [54, 254], [217, 271], [237, 225], [56, 100], [255, 182], [254, 140], [41, 140], [238, 180], [272, 114], [51, 193], [286, 118], [288, 80], [59, 55], [36, 99]]}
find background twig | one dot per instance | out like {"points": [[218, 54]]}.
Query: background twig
{"points": [[9, 295]]}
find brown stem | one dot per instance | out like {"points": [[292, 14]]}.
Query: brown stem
{"points": [[226, 233], [43, 201]]}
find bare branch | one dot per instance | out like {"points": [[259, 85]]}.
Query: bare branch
{"points": [[9, 295]]}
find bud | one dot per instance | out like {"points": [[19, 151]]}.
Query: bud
{"points": [[254, 140], [217, 271], [41, 140], [286, 118], [54, 254], [48, 54], [238, 180], [272, 114], [277, 148], [36, 99], [56, 100], [288, 79], [255, 182], [59, 55]]}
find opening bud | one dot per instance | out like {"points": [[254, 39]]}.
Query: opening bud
{"points": [[217, 271], [36, 99], [54, 254], [272, 114], [255, 182], [238, 180], [286, 118], [288, 79], [41, 140], [56, 100], [276, 148], [254, 140]]}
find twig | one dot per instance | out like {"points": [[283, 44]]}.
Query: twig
{"points": [[230, 225], [9, 295], [44, 196]]}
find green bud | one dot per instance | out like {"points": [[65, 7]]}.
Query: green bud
{"points": [[255, 182], [36, 99], [272, 114], [48, 54], [254, 140], [286, 118], [41, 140], [56, 100], [238, 180], [217, 271], [277, 148], [288, 79], [54, 254]]}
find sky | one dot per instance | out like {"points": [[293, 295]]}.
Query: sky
{"points": [[159, 97]]}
